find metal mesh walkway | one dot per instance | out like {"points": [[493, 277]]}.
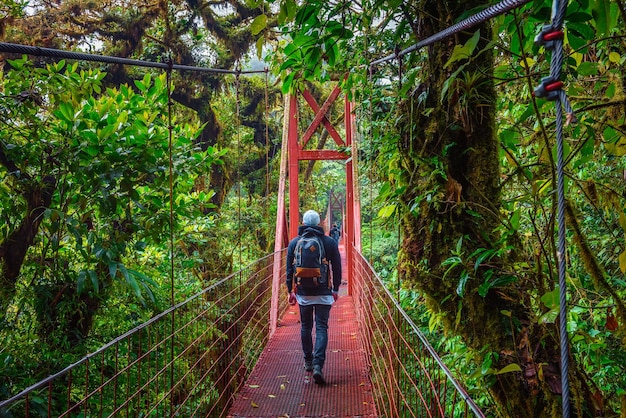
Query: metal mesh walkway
{"points": [[280, 387]]}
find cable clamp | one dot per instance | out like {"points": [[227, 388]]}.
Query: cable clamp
{"points": [[548, 37], [548, 89]]}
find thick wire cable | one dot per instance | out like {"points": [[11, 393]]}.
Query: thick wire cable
{"points": [[558, 16], [488, 13], [57, 53], [170, 147]]}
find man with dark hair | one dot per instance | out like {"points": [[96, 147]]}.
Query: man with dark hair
{"points": [[334, 233], [315, 297]]}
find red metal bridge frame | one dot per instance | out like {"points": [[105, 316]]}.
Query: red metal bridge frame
{"points": [[336, 203], [293, 151]]}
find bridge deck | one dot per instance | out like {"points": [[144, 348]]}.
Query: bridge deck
{"points": [[280, 387]]}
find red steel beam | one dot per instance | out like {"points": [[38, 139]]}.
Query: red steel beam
{"points": [[294, 191], [327, 124], [349, 243], [320, 115]]}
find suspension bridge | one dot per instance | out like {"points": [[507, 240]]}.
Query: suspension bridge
{"points": [[233, 349], [213, 355]]}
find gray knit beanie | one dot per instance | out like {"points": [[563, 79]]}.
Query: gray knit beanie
{"points": [[311, 218]]}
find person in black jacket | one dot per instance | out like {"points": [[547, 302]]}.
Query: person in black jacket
{"points": [[314, 301]]}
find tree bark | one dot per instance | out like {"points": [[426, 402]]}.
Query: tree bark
{"points": [[451, 206]]}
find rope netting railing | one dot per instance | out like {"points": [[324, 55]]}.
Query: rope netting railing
{"points": [[408, 377], [215, 336]]}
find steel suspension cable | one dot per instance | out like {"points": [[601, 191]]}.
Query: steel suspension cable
{"points": [[488, 13], [238, 136], [551, 37], [82, 56], [170, 147]]}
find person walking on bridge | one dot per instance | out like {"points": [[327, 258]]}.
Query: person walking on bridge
{"points": [[315, 289]]}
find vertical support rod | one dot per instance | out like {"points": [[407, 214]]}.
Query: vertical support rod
{"points": [[350, 229], [355, 176], [294, 189], [279, 237]]}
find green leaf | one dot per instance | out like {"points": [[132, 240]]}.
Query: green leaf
{"points": [[387, 211], [622, 262], [94, 281], [551, 299], [65, 112], [259, 47], [305, 41], [142, 87], [92, 150], [578, 17], [287, 82], [604, 18], [513, 367], [587, 68], [258, 24], [576, 42], [461, 52], [113, 269], [485, 368], [80, 282], [582, 30], [460, 289], [515, 218], [332, 52]]}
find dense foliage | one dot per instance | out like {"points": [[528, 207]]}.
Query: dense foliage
{"points": [[478, 258]]}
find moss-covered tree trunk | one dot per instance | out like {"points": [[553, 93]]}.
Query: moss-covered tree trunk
{"points": [[456, 249]]}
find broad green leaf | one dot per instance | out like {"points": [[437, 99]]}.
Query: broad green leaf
{"points": [[550, 316], [578, 17], [80, 282], [527, 62], [94, 281], [515, 218], [282, 14], [92, 150], [142, 87], [551, 299], [107, 131], [461, 52], [113, 269], [587, 68], [287, 82], [65, 112], [131, 280], [576, 42], [387, 211], [258, 24], [622, 262], [622, 220], [259, 47], [582, 30], [513, 367], [615, 57], [485, 368], [304, 41], [605, 13], [460, 289]]}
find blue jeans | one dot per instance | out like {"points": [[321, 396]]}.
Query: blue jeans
{"points": [[322, 312]]}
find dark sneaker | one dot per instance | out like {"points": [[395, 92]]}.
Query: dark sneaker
{"points": [[308, 365], [318, 377]]}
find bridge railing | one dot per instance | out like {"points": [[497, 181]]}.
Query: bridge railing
{"points": [[187, 361], [409, 379]]}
